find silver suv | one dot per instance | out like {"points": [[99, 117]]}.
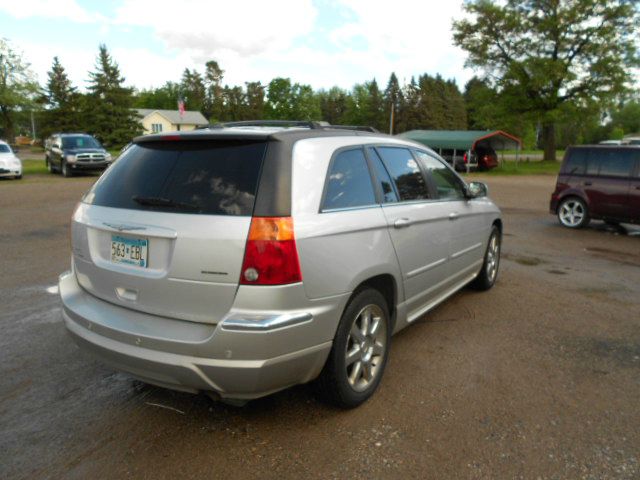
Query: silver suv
{"points": [[239, 261]]}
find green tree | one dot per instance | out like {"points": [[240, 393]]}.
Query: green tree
{"points": [[162, 98], [544, 54], [193, 89], [18, 88], [255, 101], [108, 105], [214, 98], [333, 105], [63, 113], [627, 117], [393, 103], [287, 101]]}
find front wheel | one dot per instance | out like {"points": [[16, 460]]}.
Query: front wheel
{"points": [[573, 213], [66, 170], [489, 273], [360, 350]]}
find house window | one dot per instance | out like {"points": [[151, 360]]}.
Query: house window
{"points": [[156, 127]]}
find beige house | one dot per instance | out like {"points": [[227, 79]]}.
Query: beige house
{"points": [[158, 121]]}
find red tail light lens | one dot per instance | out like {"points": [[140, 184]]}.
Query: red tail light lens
{"points": [[465, 159], [271, 256]]}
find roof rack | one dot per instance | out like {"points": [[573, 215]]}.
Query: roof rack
{"points": [[312, 125]]}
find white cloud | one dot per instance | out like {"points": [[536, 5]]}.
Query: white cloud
{"points": [[208, 29], [413, 37], [64, 9]]}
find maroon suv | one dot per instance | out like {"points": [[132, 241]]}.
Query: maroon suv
{"points": [[600, 182]]}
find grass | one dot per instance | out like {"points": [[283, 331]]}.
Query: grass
{"points": [[31, 167], [525, 168], [524, 153]]}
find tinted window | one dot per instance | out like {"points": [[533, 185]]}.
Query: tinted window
{"points": [[383, 178], [349, 183], [576, 162], [448, 184], [215, 178], [616, 163], [405, 172], [4, 148], [80, 141]]}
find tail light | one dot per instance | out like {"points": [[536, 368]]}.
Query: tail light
{"points": [[271, 256], [465, 158]]}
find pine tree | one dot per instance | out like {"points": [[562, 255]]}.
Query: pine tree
{"points": [[214, 101], [194, 90], [63, 103], [393, 98], [108, 107]]}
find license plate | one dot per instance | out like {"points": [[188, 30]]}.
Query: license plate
{"points": [[130, 251]]}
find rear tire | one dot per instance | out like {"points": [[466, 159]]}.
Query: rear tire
{"points": [[489, 273], [359, 353], [573, 213]]}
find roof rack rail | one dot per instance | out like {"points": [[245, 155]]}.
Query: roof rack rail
{"points": [[269, 123], [313, 125], [359, 128]]}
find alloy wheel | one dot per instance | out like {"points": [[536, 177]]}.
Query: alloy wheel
{"points": [[572, 213], [366, 347]]}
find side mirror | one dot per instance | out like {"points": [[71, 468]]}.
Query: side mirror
{"points": [[477, 190]]}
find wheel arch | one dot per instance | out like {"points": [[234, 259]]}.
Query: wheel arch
{"points": [[387, 285]]}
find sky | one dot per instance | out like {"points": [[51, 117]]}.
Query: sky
{"points": [[318, 42]]}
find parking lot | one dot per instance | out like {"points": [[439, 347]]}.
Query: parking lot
{"points": [[537, 378]]}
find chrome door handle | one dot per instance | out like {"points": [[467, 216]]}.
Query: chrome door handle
{"points": [[453, 216], [402, 223]]}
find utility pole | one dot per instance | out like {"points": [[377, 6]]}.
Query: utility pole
{"points": [[391, 117]]}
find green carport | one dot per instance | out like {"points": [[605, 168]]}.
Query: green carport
{"points": [[453, 144]]}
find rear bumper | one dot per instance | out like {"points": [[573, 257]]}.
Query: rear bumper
{"points": [[237, 360]]}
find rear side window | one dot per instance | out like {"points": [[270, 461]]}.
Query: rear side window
{"points": [[406, 173], [197, 177], [349, 183], [616, 163]]}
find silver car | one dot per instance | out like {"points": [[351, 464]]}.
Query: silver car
{"points": [[240, 261]]}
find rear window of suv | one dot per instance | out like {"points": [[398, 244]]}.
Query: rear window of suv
{"points": [[196, 177]]}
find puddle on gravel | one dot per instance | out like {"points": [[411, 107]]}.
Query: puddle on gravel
{"points": [[524, 259]]}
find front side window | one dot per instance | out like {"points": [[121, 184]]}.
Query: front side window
{"points": [[405, 172], [576, 163], [447, 182], [349, 183]]}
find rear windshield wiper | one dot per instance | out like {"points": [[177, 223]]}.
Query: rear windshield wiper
{"points": [[164, 202]]}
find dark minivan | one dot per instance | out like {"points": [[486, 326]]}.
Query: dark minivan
{"points": [[598, 182]]}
